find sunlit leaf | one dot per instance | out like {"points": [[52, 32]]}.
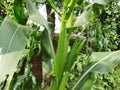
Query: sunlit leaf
{"points": [[13, 39], [102, 62], [110, 60], [35, 16], [102, 2], [86, 83], [8, 64], [83, 19]]}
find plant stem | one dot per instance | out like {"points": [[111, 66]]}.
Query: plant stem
{"points": [[60, 59]]}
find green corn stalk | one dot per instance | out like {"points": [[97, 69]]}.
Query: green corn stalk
{"points": [[60, 58]]}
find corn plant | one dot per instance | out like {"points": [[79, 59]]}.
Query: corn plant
{"points": [[13, 38]]}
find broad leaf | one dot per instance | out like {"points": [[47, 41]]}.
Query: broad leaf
{"points": [[102, 62], [46, 41], [102, 2], [13, 39], [86, 83], [106, 64], [84, 18], [35, 16], [8, 64], [54, 7]]}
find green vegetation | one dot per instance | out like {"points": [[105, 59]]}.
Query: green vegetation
{"points": [[31, 59]]}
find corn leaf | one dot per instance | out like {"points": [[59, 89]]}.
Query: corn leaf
{"points": [[54, 85], [63, 82], [46, 41], [13, 39], [83, 19], [87, 82], [55, 7], [102, 2], [35, 16], [72, 6], [101, 62], [8, 64], [74, 52], [60, 59]]}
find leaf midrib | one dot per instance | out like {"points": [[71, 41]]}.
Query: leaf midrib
{"points": [[92, 68], [11, 40]]}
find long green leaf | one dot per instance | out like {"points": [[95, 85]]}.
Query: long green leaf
{"points": [[35, 16], [63, 82], [54, 85], [83, 19], [101, 62], [72, 56], [46, 41], [87, 82], [55, 7], [102, 2], [71, 8], [108, 63], [8, 64], [13, 39]]}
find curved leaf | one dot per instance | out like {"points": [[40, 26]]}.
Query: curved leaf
{"points": [[35, 16], [13, 39], [101, 62], [87, 82], [8, 64], [83, 19], [102, 2]]}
